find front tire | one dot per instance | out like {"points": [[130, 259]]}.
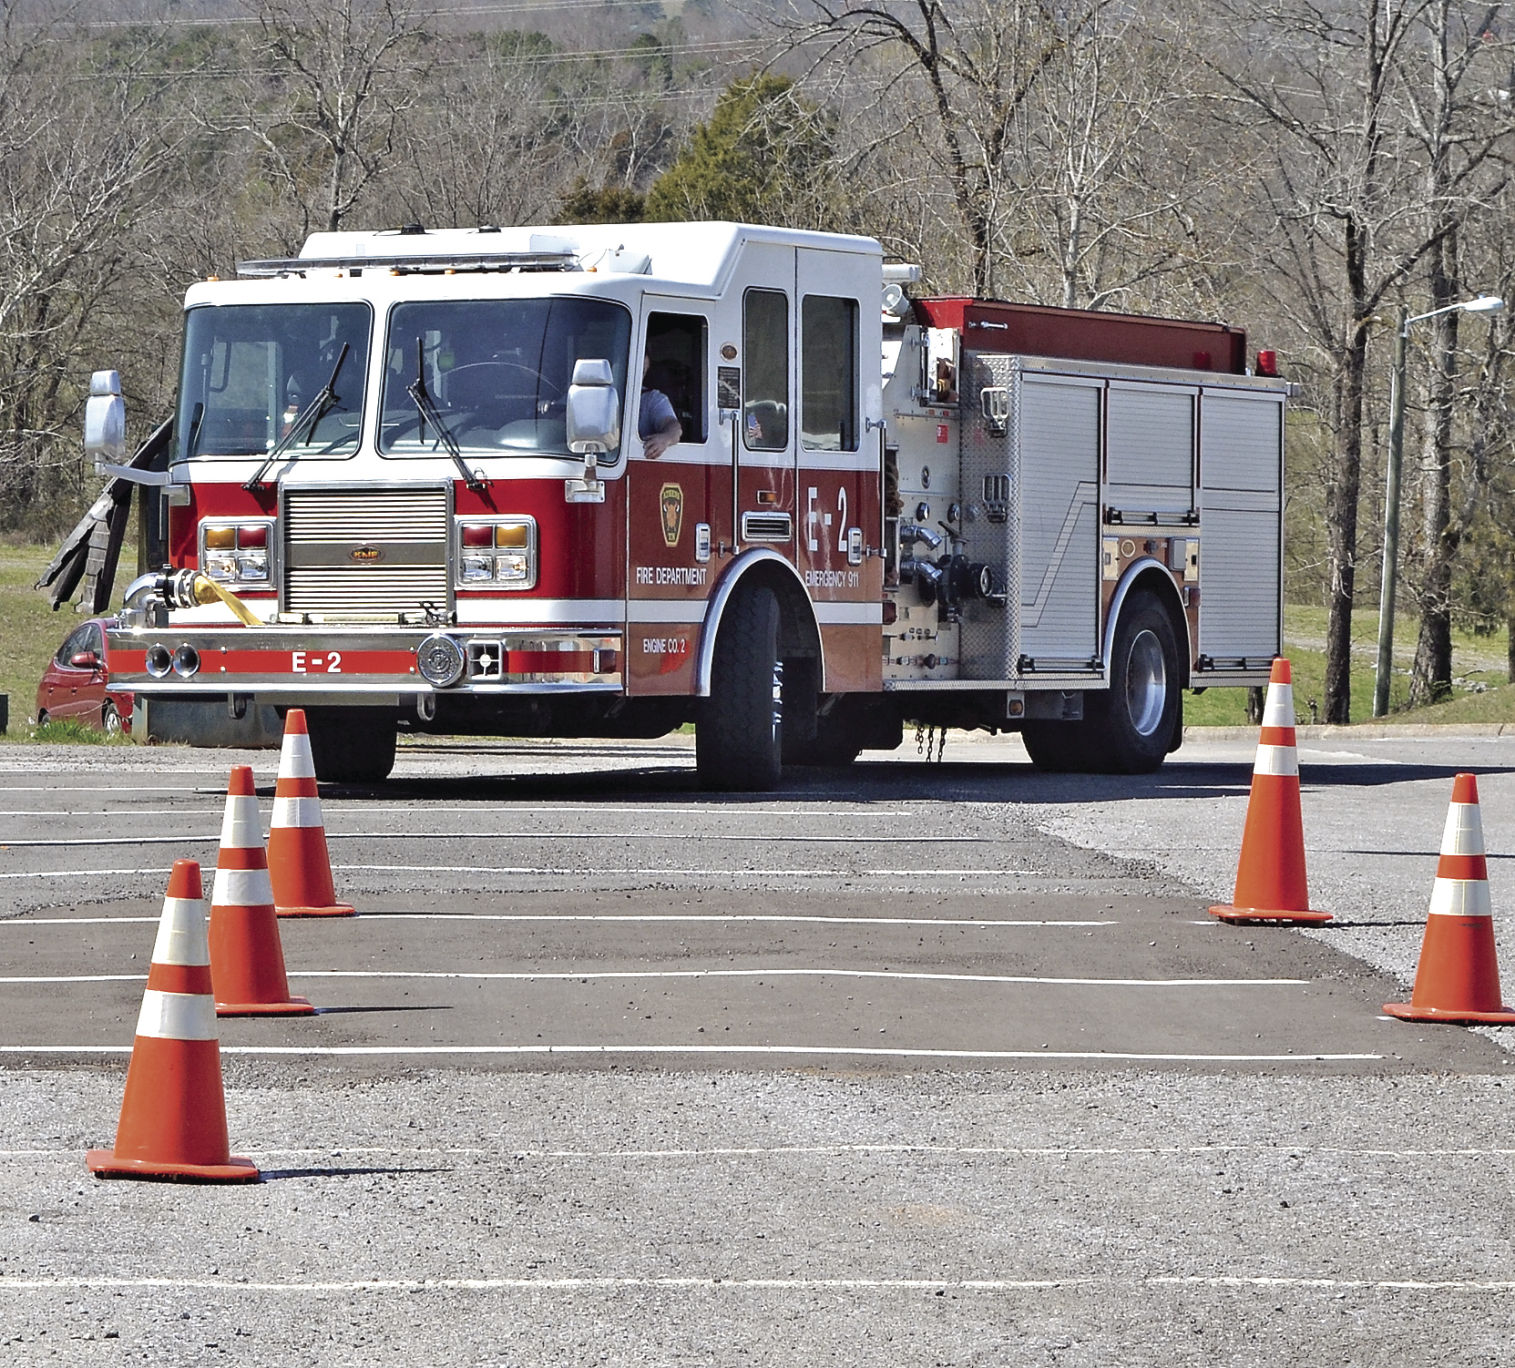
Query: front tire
{"points": [[110, 719], [351, 745], [739, 741]]}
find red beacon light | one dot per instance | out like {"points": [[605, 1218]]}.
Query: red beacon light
{"points": [[1267, 363]]}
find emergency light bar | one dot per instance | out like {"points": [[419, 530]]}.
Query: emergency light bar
{"points": [[505, 262]]}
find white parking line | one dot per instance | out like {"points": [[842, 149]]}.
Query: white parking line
{"points": [[723, 1283], [570, 976], [783, 1051], [796, 919], [1269, 1149], [45, 843], [475, 809], [545, 871]]}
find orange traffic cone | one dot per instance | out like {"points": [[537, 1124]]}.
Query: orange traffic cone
{"points": [[1270, 876], [1458, 976], [246, 958], [298, 863], [173, 1116]]}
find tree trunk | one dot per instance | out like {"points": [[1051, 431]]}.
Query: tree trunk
{"points": [[1342, 499], [1431, 677]]}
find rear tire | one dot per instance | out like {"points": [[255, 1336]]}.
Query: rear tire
{"points": [[1057, 747], [1131, 726], [351, 745], [739, 740]]}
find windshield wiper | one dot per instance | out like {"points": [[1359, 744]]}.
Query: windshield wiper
{"points": [[307, 418], [192, 441], [429, 412]]}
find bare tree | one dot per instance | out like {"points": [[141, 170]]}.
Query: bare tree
{"points": [[326, 106], [84, 154], [977, 63], [1319, 85], [1462, 175]]}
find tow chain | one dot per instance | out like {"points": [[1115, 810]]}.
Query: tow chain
{"points": [[925, 737]]}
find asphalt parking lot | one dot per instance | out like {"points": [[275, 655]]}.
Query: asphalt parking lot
{"points": [[904, 1064]]}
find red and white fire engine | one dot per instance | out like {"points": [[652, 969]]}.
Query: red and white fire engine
{"points": [[406, 488]]}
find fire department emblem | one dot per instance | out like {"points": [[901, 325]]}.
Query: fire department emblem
{"points": [[671, 501], [366, 555]]}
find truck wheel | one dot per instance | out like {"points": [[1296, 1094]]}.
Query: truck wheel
{"points": [[1130, 728], [351, 745], [739, 739], [1057, 747]]}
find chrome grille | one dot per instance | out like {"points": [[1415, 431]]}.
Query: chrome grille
{"points": [[353, 553]]}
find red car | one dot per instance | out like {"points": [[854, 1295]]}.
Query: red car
{"points": [[76, 684]]}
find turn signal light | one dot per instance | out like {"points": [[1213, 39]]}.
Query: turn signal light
{"points": [[501, 553]]}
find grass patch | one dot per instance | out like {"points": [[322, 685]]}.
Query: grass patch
{"points": [[71, 732], [1481, 693], [30, 631]]}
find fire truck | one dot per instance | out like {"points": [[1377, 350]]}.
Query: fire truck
{"points": [[407, 486]]}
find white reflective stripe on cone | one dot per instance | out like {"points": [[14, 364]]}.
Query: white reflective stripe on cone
{"points": [[1278, 711], [182, 936], [242, 888], [1461, 898], [177, 1016], [1276, 760], [295, 760], [240, 828], [1463, 833], [297, 812]]}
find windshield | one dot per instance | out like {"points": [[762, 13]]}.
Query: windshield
{"points": [[251, 369], [496, 372]]}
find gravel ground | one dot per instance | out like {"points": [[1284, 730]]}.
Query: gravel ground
{"points": [[848, 1215]]}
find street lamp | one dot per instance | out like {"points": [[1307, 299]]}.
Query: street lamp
{"points": [[1483, 304]]}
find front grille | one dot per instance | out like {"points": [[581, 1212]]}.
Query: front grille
{"points": [[363, 553]]}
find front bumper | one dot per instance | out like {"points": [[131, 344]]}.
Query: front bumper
{"points": [[293, 666]]}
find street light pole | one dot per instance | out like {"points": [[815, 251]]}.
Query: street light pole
{"points": [[1391, 517], [1483, 304]]}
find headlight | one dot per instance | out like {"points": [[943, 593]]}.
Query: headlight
{"points": [[500, 552], [236, 552]]}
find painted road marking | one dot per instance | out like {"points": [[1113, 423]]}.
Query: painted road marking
{"points": [[811, 1051], [518, 809], [605, 872], [780, 919], [864, 1149], [569, 976], [723, 1283], [187, 839]]}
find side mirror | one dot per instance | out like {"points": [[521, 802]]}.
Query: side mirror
{"points": [[105, 421], [594, 409], [84, 660]]}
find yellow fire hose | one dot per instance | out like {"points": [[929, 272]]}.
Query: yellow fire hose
{"points": [[208, 591]]}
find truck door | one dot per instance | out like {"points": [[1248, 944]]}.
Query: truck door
{"points": [[839, 480], [678, 504]]}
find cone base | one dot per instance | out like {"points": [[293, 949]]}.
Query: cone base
{"points": [[105, 1164], [1408, 1011], [335, 910], [1228, 913], [289, 1007]]}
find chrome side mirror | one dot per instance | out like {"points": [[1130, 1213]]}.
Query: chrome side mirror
{"points": [[594, 409], [105, 421]]}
